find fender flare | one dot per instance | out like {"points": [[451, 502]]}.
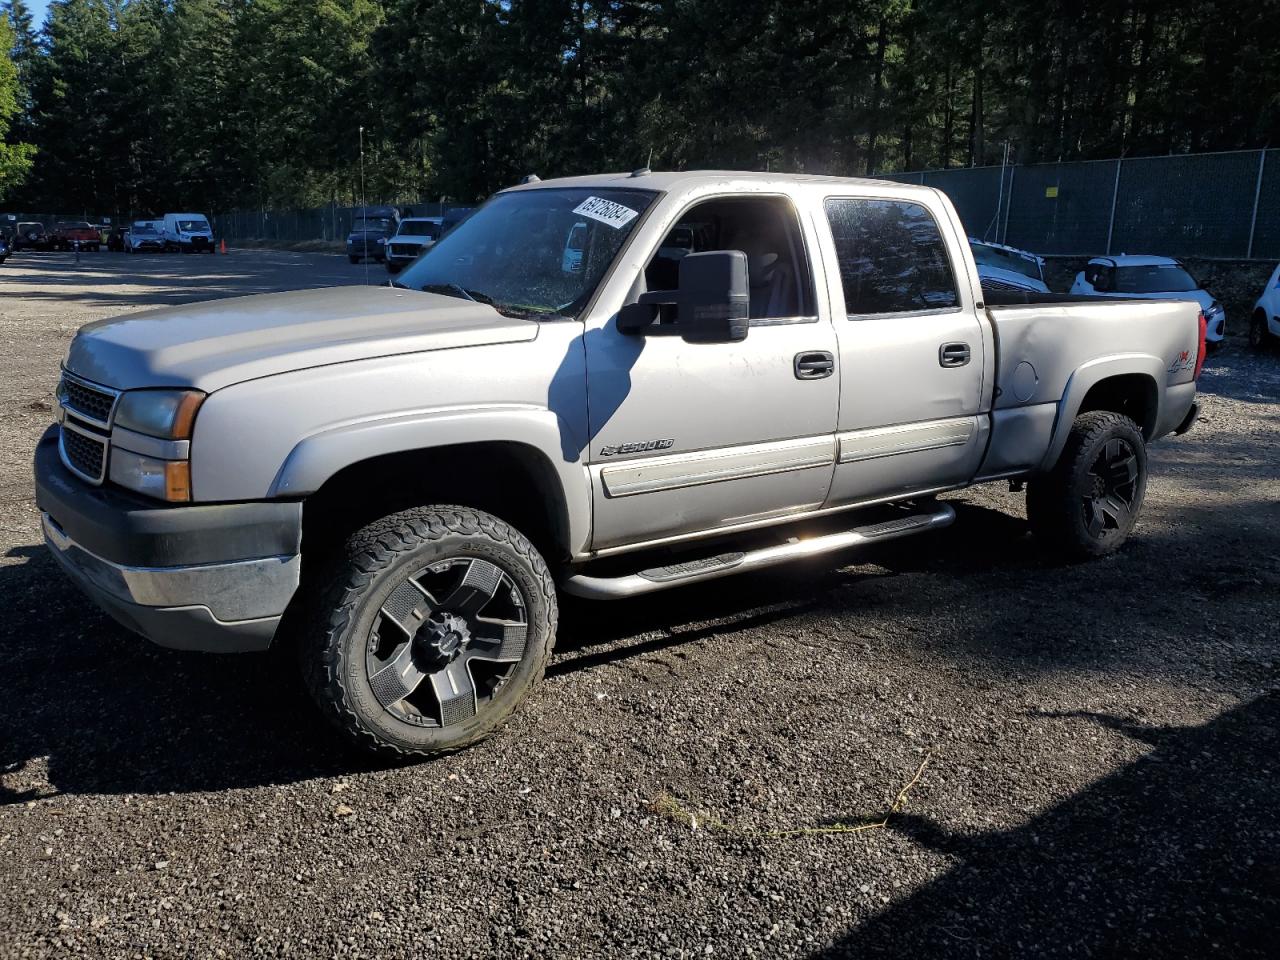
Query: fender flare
{"points": [[1088, 375], [318, 457]]}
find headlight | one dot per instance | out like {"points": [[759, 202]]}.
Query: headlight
{"points": [[163, 479], [382, 239], [168, 414]]}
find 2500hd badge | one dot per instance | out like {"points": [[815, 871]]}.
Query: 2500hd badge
{"points": [[644, 446]]}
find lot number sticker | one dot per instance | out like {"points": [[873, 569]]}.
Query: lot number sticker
{"points": [[606, 211]]}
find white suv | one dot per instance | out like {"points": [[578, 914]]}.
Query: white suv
{"points": [[1131, 277], [1264, 328], [414, 235]]}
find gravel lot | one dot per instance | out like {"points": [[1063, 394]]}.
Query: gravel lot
{"points": [[1103, 763]]}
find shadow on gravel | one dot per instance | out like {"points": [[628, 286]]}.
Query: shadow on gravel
{"points": [[1177, 854], [114, 714]]}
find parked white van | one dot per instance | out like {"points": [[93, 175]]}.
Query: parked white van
{"points": [[187, 233]]}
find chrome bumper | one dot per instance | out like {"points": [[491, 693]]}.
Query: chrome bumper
{"points": [[217, 607]]}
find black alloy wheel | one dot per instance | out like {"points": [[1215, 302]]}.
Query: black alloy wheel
{"points": [[1112, 498], [445, 641]]}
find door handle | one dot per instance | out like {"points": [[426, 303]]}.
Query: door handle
{"points": [[814, 365], [953, 354]]}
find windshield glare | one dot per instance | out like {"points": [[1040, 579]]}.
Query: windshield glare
{"points": [[1005, 260], [371, 223], [532, 253], [1155, 278], [190, 225]]}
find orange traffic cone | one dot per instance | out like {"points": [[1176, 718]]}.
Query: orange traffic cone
{"points": [[223, 247]]}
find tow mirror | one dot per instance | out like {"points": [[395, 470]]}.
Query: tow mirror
{"points": [[712, 301]]}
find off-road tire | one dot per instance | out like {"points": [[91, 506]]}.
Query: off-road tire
{"points": [[1056, 506], [372, 562]]}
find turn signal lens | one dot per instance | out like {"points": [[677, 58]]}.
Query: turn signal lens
{"points": [[177, 481], [163, 479]]}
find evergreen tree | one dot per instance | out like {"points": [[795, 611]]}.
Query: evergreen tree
{"points": [[15, 158]]}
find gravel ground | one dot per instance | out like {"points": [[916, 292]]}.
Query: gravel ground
{"points": [[1092, 750]]}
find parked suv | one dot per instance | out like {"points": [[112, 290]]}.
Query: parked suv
{"points": [[740, 370], [1008, 268], [1264, 325], [414, 235], [30, 235], [1134, 277], [370, 231]]}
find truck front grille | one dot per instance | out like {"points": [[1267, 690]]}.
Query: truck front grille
{"points": [[92, 403], [405, 249], [84, 454]]}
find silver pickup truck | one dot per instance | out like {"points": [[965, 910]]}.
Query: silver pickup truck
{"points": [[607, 385]]}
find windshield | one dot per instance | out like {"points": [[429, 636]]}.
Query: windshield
{"points": [[1006, 260], [419, 228], [371, 223], [532, 253], [192, 225], [144, 231], [1155, 278]]}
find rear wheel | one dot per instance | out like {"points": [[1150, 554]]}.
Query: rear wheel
{"points": [[1088, 504], [436, 624]]}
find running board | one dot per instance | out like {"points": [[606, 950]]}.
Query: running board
{"points": [[710, 568]]}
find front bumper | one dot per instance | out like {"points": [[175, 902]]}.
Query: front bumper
{"points": [[366, 248], [212, 577]]}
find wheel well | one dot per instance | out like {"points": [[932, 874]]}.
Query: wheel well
{"points": [[512, 481], [1133, 394]]}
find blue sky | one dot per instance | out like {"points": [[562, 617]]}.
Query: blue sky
{"points": [[38, 9]]}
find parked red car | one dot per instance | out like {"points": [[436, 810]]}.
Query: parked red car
{"points": [[68, 233]]}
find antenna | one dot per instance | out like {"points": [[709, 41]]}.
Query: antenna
{"points": [[649, 163], [364, 208]]}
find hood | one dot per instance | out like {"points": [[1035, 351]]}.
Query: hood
{"points": [[1012, 278], [221, 342]]}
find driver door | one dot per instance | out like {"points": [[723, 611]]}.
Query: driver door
{"points": [[706, 437]]}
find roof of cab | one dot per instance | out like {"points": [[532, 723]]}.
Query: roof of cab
{"points": [[1137, 260], [667, 181]]}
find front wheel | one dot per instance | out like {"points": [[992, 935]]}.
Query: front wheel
{"points": [[438, 622], [1259, 336], [1087, 505]]}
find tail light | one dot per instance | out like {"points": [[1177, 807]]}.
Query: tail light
{"points": [[1204, 326]]}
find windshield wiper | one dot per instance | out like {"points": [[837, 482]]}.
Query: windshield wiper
{"points": [[457, 290]]}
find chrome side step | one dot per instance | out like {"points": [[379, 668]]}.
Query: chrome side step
{"points": [[710, 568]]}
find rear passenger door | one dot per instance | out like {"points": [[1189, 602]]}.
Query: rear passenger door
{"points": [[912, 351]]}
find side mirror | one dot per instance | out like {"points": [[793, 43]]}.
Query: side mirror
{"points": [[712, 302]]}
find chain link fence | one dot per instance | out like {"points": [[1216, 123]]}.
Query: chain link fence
{"points": [[331, 223], [1213, 205]]}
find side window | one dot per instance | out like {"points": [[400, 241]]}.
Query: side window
{"points": [[892, 258], [767, 230]]}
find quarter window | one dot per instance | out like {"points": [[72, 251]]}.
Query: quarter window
{"points": [[892, 258]]}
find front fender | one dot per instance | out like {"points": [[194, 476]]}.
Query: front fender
{"points": [[1085, 378], [321, 455]]}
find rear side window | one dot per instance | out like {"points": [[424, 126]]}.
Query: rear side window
{"points": [[892, 258]]}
